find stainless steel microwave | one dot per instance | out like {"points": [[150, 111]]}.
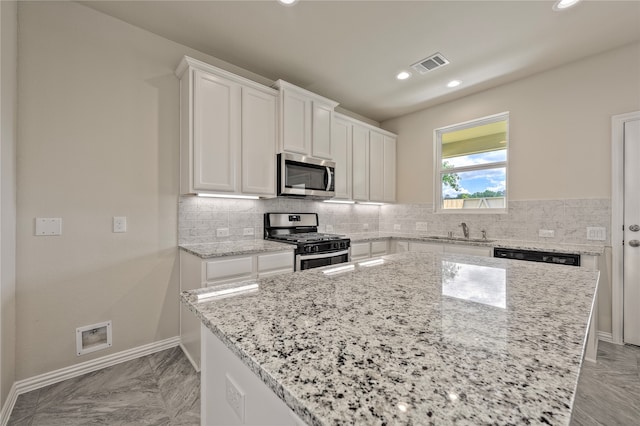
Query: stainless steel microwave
{"points": [[302, 176]]}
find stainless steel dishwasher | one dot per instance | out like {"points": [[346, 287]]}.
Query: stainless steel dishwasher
{"points": [[571, 259]]}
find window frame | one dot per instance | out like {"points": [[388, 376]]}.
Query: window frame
{"points": [[438, 170]]}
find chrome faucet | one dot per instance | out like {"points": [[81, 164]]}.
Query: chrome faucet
{"points": [[465, 230]]}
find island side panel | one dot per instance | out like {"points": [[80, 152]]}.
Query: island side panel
{"points": [[190, 279], [231, 394]]}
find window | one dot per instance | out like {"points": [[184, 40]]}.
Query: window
{"points": [[471, 166]]}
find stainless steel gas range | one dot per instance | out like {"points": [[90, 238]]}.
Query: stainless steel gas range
{"points": [[313, 249]]}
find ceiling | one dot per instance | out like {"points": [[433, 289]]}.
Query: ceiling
{"points": [[351, 51]]}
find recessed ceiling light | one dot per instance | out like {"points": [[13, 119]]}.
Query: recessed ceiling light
{"points": [[288, 2], [454, 83], [403, 75], [564, 4]]}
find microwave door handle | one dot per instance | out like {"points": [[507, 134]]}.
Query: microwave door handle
{"points": [[329, 179]]}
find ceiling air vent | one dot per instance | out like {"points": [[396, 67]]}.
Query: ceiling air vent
{"points": [[431, 63]]}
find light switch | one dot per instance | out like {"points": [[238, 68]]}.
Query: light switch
{"points": [[48, 226], [119, 224]]}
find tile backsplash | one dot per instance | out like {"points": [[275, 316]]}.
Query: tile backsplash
{"points": [[568, 219], [201, 218]]}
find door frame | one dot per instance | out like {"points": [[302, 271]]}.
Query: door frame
{"points": [[617, 222]]}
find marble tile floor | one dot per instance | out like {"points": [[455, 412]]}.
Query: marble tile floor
{"points": [[609, 390], [163, 389], [158, 389]]}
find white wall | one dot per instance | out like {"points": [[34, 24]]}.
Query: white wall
{"points": [[98, 126], [8, 64], [560, 129]]}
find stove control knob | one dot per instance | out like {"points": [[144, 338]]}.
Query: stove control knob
{"points": [[307, 249], [316, 248]]}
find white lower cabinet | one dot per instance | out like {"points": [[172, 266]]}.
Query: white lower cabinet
{"points": [[425, 247], [367, 249], [360, 251], [472, 250], [232, 394], [196, 272]]}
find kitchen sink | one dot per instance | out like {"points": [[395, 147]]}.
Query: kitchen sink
{"points": [[471, 240]]}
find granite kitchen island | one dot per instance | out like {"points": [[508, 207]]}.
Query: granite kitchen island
{"points": [[413, 338]]}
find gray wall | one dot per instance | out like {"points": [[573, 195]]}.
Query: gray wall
{"points": [[98, 126], [560, 129], [8, 95]]}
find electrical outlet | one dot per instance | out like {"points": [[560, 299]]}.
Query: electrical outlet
{"points": [[421, 226], [329, 228], [247, 231], [546, 233], [235, 397], [365, 226], [396, 227], [222, 232], [596, 233], [119, 224]]}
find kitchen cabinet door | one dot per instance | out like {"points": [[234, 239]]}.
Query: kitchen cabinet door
{"points": [[258, 142], [296, 122], [341, 149], [389, 173], [216, 133], [376, 166], [360, 163], [360, 251], [322, 129]]}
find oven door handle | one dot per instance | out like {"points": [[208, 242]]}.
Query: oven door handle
{"points": [[322, 255]]}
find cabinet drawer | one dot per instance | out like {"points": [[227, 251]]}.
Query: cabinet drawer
{"points": [[378, 248], [275, 262], [239, 267]]}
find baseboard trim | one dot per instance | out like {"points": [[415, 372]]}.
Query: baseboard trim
{"points": [[605, 336], [8, 405], [46, 379], [193, 363]]}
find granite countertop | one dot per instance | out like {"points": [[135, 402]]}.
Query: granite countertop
{"points": [[233, 248], [585, 249], [419, 338]]}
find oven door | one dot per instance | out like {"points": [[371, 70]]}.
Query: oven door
{"points": [[305, 176], [308, 261]]}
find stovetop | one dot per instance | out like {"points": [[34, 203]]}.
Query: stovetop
{"points": [[307, 237]]}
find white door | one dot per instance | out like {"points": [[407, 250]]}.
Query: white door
{"points": [[631, 256]]}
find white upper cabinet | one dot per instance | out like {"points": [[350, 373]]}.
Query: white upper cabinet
{"points": [[216, 132], [306, 121], [258, 141], [341, 149], [376, 166], [322, 130], [373, 160], [382, 169], [360, 159], [227, 133], [389, 189]]}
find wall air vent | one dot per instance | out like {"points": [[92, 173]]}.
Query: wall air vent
{"points": [[431, 63]]}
